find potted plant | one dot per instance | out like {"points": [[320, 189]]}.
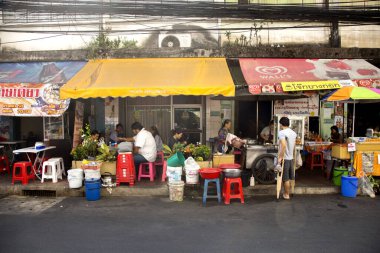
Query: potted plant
{"points": [[91, 149], [200, 153], [108, 159], [177, 147]]}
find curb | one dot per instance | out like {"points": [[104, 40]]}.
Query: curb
{"points": [[156, 190]]}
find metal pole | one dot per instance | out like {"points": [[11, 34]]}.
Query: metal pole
{"points": [[257, 120], [353, 121]]}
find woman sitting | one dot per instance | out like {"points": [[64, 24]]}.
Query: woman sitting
{"points": [[176, 137], [157, 138]]}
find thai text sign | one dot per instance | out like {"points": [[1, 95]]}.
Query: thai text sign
{"points": [[25, 99], [310, 85], [301, 106]]}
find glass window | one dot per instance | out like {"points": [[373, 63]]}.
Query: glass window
{"points": [[188, 119]]}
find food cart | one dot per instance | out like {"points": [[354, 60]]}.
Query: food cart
{"points": [[366, 155], [260, 158]]}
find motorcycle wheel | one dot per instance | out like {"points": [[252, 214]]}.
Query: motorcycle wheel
{"points": [[262, 169]]}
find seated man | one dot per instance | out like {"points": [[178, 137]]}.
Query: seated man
{"points": [[145, 146], [117, 135]]}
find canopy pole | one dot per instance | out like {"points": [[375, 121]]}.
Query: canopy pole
{"points": [[353, 121], [257, 120]]}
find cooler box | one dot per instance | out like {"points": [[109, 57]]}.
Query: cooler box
{"points": [[368, 146], [221, 159], [340, 151]]}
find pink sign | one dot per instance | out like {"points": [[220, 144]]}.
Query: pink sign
{"points": [[273, 71]]}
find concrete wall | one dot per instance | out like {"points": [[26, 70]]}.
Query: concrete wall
{"points": [[194, 33]]}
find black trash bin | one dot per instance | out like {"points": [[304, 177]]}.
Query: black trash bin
{"points": [[245, 177]]}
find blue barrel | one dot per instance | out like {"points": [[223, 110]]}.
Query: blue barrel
{"points": [[349, 186], [93, 189]]}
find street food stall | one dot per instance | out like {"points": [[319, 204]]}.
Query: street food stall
{"points": [[260, 158], [366, 155]]}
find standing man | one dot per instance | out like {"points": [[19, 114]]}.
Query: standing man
{"points": [[144, 149], [267, 132], [287, 142]]}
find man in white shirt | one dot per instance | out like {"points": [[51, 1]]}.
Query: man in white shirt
{"points": [[287, 142], [144, 149]]}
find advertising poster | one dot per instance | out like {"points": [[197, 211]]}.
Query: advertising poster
{"points": [[32, 89], [24, 99]]}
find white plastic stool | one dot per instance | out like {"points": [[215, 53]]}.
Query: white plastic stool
{"points": [[61, 166], [50, 170]]}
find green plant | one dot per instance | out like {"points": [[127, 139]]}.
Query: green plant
{"points": [[199, 152], [88, 147], [105, 154], [202, 153], [101, 45], [78, 153], [177, 147]]}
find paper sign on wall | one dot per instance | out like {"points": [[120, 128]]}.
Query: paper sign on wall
{"points": [[351, 147]]}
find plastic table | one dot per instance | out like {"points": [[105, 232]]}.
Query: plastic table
{"points": [[11, 145], [40, 155]]}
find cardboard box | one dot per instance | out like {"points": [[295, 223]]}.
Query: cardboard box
{"points": [[340, 151], [205, 164], [222, 159]]}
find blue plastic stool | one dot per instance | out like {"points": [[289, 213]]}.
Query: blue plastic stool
{"points": [[205, 187]]}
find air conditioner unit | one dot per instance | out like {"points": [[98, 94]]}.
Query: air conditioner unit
{"points": [[174, 40]]}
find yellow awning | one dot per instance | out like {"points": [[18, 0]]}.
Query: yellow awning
{"points": [[150, 77]]}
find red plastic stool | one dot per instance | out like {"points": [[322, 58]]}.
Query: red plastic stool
{"points": [[125, 169], [20, 172], [228, 182], [151, 172], [315, 159], [4, 164]]}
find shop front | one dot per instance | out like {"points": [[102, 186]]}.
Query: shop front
{"points": [[30, 108], [169, 93], [165, 92], [311, 78]]}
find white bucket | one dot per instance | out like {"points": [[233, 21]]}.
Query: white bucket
{"points": [[176, 190], [192, 176], [92, 174], [174, 174], [75, 178]]}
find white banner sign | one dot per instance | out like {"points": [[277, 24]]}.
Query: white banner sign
{"points": [[301, 106]]}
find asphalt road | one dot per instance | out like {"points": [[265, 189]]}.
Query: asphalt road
{"points": [[318, 223]]}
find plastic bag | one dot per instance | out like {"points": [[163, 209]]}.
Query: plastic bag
{"points": [[192, 170], [191, 164], [366, 186], [234, 141], [298, 160], [125, 146]]}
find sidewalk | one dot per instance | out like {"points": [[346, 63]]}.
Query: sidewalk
{"points": [[308, 182]]}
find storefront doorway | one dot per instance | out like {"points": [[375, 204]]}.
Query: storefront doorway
{"points": [[247, 119]]}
